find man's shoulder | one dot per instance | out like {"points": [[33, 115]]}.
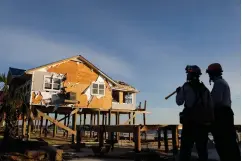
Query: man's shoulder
{"points": [[221, 82]]}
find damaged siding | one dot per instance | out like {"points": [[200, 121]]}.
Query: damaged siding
{"points": [[79, 80]]}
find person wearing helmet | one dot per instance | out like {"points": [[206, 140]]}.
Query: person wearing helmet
{"points": [[223, 129], [196, 116]]}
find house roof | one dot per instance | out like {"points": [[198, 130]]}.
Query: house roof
{"points": [[118, 85], [16, 71]]}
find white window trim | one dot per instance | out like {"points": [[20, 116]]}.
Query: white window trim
{"points": [[132, 95], [54, 90], [98, 89]]}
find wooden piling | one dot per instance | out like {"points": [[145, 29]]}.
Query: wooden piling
{"points": [[166, 140], [129, 124], [134, 119], [105, 134], [137, 139], [91, 123], [68, 121], [175, 139], [46, 126], [54, 126], [41, 126], [29, 128], [117, 123], [64, 132], [84, 123], [159, 138], [101, 139], [74, 116]]}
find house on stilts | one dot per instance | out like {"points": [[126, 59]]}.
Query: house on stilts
{"points": [[74, 87]]}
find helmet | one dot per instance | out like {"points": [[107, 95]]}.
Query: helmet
{"points": [[193, 69], [214, 68]]}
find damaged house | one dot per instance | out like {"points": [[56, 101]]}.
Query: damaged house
{"points": [[71, 84]]}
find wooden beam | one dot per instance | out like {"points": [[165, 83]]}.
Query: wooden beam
{"points": [[117, 123], [137, 139], [74, 118], [130, 119], [175, 139], [98, 118], [55, 128], [80, 115], [29, 128], [59, 124], [121, 97], [46, 126], [41, 126], [91, 123], [144, 118], [84, 122], [68, 121], [130, 124], [64, 132], [133, 118], [101, 139], [159, 138], [72, 112], [166, 140]]}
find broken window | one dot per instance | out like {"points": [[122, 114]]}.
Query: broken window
{"points": [[98, 89], [127, 97], [115, 95], [51, 83]]}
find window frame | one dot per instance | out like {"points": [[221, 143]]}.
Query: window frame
{"points": [[98, 89], [52, 82], [132, 98]]}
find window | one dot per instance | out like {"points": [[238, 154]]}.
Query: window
{"points": [[98, 89], [127, 97], [115, 95], [51, 83]]}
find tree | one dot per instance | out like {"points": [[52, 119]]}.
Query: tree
{"points": [[13, 105]]}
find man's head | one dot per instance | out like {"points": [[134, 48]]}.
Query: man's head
{"points": [[214, 70], [193, 72]]}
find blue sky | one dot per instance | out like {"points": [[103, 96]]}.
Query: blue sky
{"points": [[145, 43]]}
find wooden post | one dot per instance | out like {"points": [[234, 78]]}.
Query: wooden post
{"points": [[109, 123], [24, 126], [137, 139], [98, 122], [84, 123], [98, 117], [175, 141], [101, 140], [134, 119], [144, 118], [78, 139], [80, 119], [68, 121], [29, 128], [64, 133], [55, 127], [105, 134], [166, 140], [41, 126], [103, 119], [46, 126], [117, 123], [73, 126], [94, 123], [129, 124], [159, 138], [91, 123]]}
